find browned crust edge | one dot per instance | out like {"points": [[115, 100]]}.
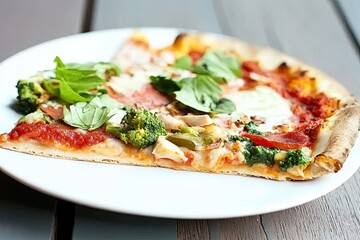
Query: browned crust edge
{"points": [[342, 137]]}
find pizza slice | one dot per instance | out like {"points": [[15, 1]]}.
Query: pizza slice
{"points": [[205, 103]]}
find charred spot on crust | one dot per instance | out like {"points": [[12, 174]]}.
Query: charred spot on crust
{"points": [[283, 66], [179, 38]]}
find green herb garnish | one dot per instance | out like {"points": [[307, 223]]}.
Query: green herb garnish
{"points": [[200, 93], [92, 115], [78, 82], [221, 67]]}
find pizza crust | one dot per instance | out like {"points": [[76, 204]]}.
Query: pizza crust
{"points": [[146, 159]]}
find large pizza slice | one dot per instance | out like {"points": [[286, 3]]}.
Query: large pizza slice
{"points": [[205, 103]]}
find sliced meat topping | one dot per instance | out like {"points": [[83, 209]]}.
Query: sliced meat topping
{"points": [[147, 96]]}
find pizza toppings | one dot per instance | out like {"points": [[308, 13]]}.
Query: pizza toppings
{"points": [[70, 83], [92, 115], [286, 141], [166, 149], [147, 95], [139, 127], [55, 112], [188, 104], [270, 155], [295, 85], [219, 66], [200, 93], [29, 94], [265, 102], [57, 134], [196, 120]]}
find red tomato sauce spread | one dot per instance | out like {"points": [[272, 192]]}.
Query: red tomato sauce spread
{"points": [[51, 134], [310, 107], [195, 55]]}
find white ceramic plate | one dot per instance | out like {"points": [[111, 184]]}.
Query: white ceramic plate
{"points": [[141, 190]]}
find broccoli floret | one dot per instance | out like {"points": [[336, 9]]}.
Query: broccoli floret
{"points": [[28, 92], [139, 127]]}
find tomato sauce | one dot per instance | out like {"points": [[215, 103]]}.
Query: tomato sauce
{"points": [[195, 56], [309, 109], [51, 134]]}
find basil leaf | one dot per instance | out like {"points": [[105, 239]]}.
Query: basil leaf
{"points": [[187, 96], [205, 85], [52, 87], [81, 115], [76, 82], [109, 102], [218, 66], [164, 84], [92, 115], [59, 62], [221, 67], [225, 105], [73, 74], [85, 83], [184, 62], [101, 68], [68, 94], [200, 93]]}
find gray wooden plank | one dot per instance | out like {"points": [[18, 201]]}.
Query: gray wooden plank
{"points": [[334, 216], [26, 23], [24, 213], [237, 228], [198, 14], [311, 31], [351, 10], [193, 229], [96, 224]]}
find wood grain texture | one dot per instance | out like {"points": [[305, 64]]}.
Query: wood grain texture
{"points": [[301, 28], [26, 23], [24, 213], [334, 216], [198, 14], [97, 224], [193, 229], [237, 228], [351, 11]]}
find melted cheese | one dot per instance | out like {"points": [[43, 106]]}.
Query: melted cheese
{"points": [[127, 84], [264, 102]]}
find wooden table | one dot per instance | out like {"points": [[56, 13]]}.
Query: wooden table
{"points": [[323, 33]]}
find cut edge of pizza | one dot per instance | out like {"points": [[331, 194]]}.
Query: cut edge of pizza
{"points": [[308, 133]]}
